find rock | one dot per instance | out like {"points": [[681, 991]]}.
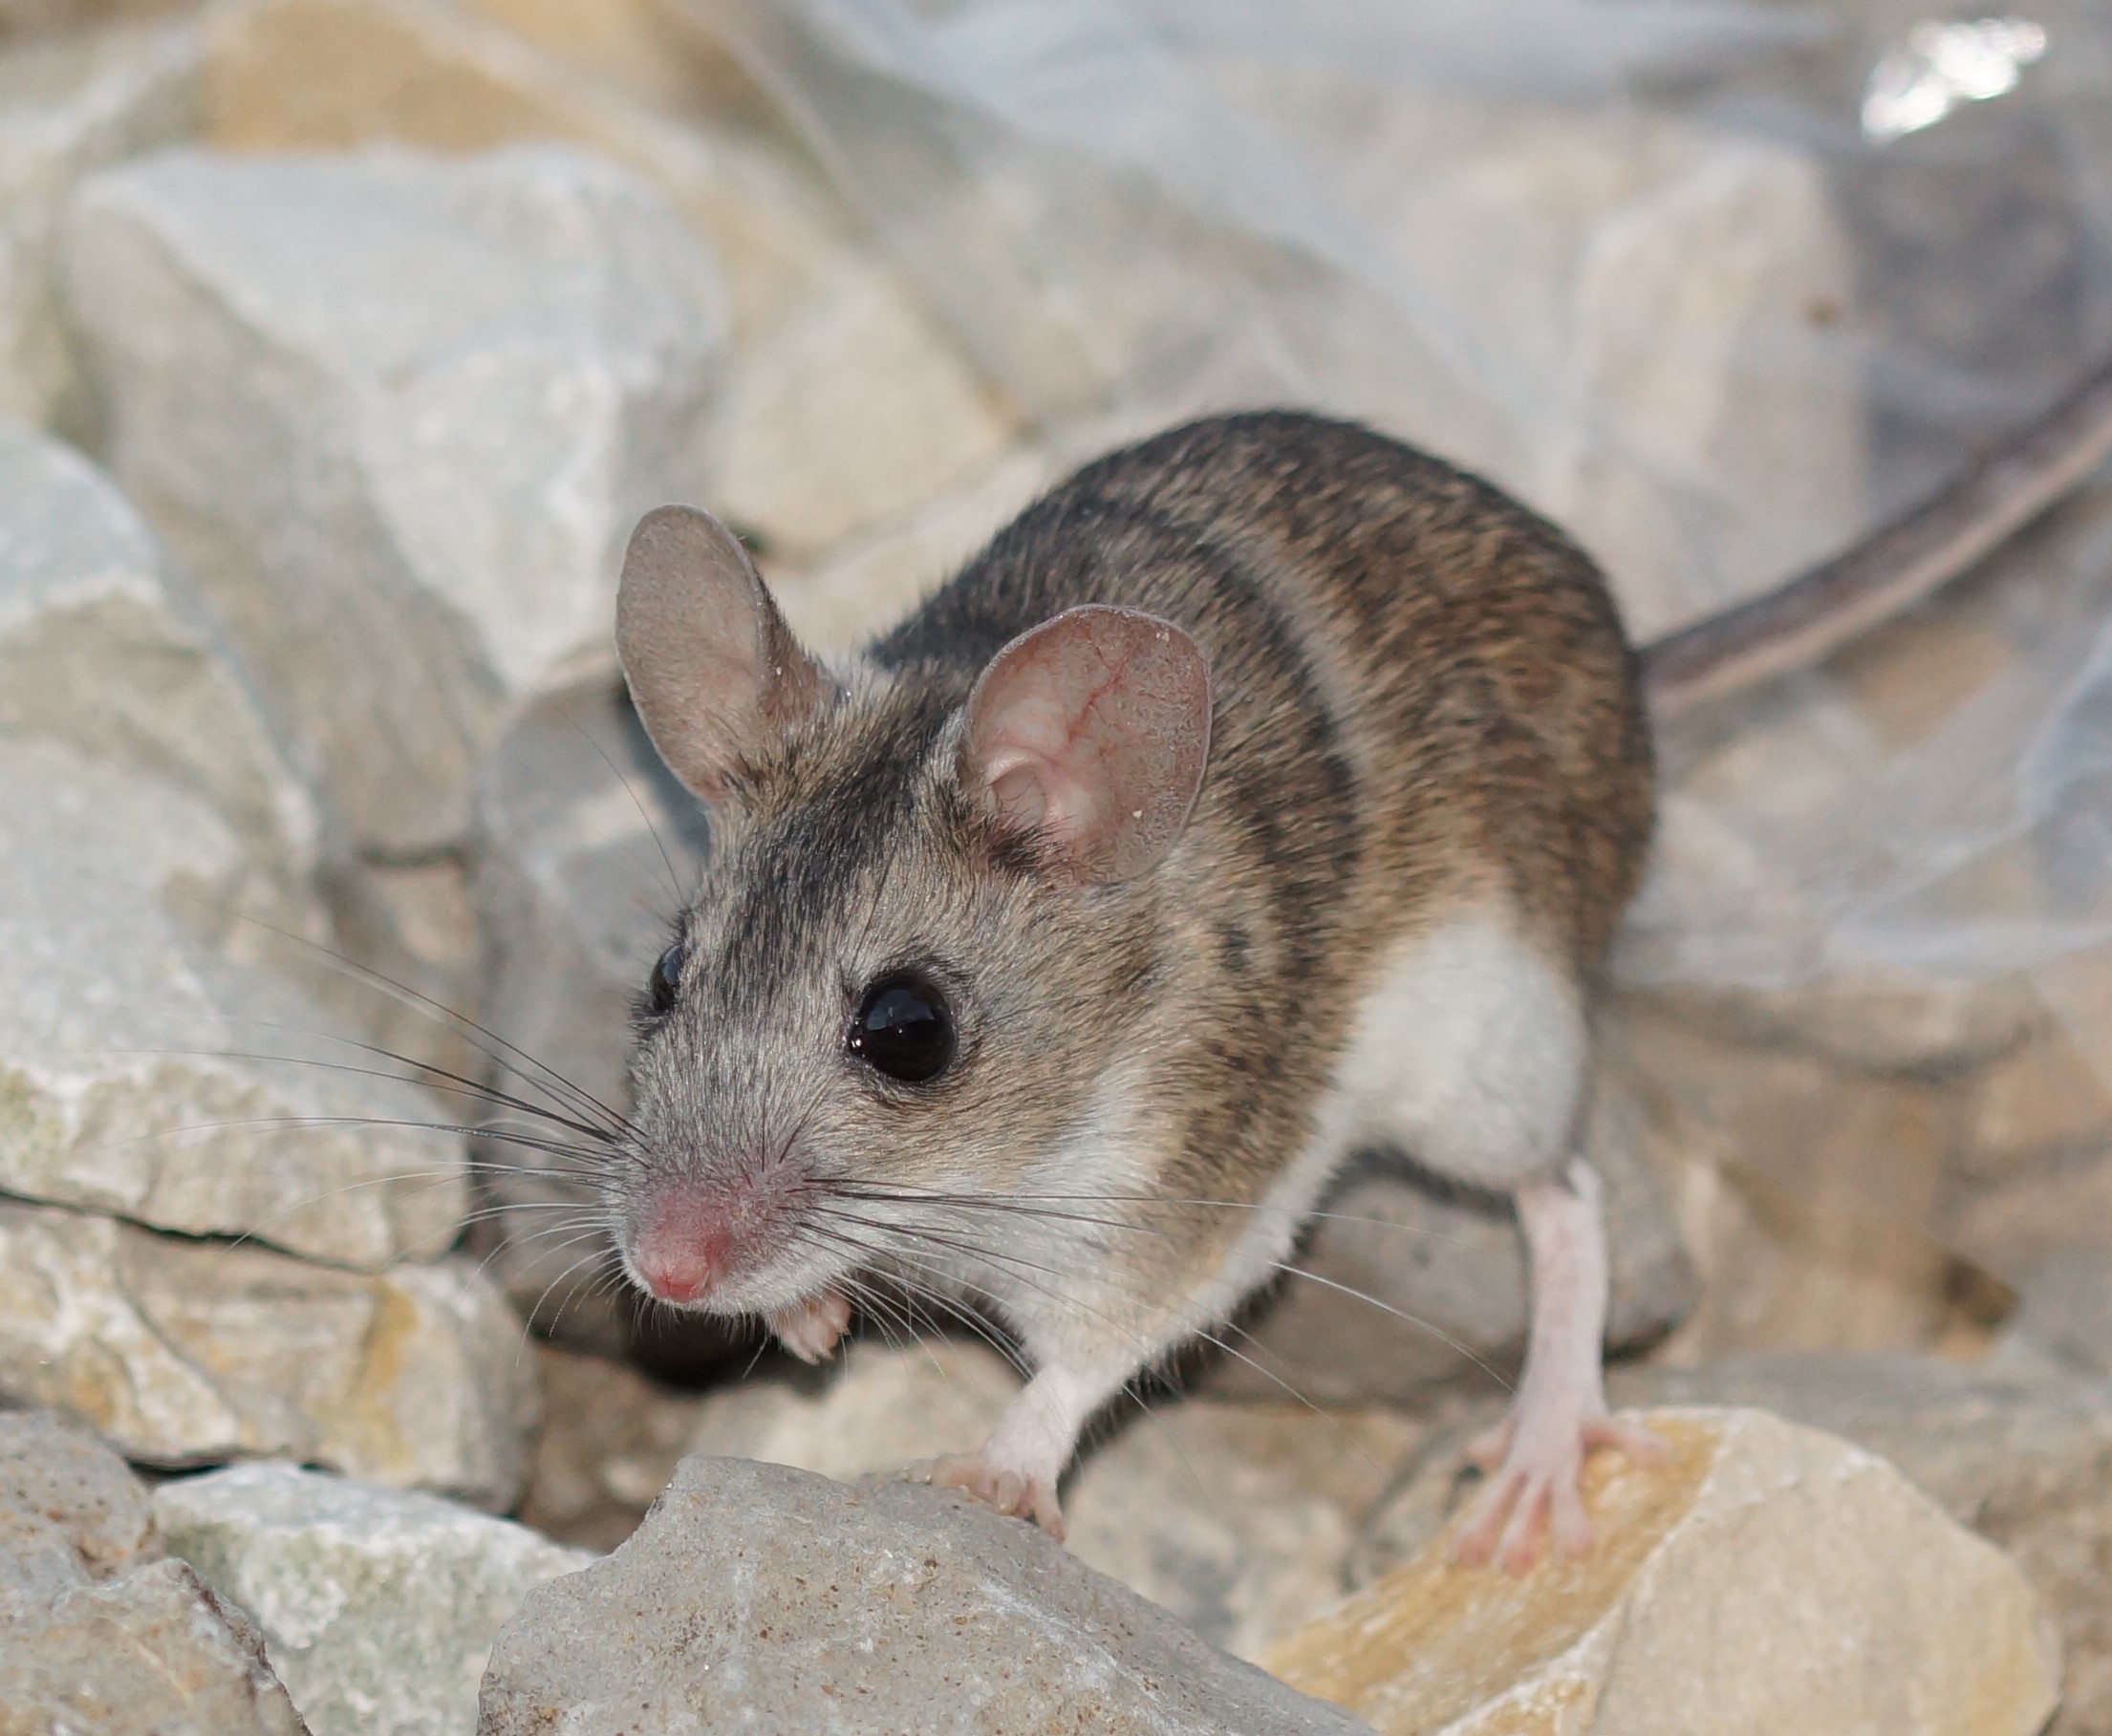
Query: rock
{"points": [[853, 409], [2023, 1456], [1412, 1284], [872, 580], [69, 107], [153, 1651], [1810, 1193], [845, 402], [648, 47], [609, 1440], [377, 1607], [1765, 1577], [182, 1352], [70, 1512], [585, 848], [135, 1075], [2066, 1304], [2046, 1098], [441, 392], [333, 74], [99, 1637], [1666, 273], [106, 645], [1870, 1020], [755, 1593], [877, 1409], [1234, 1516]]}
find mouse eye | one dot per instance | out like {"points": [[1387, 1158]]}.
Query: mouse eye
{"points": [[903, 1028], [666, 978]]}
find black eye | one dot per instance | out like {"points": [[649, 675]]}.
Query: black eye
{"points": [[666, 978], [904, 1029]]}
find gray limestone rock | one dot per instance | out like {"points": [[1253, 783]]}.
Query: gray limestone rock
{"points": [[98, 1636], [135, 1076], [153, 1651], [186, 1352], [760, 1597], [1234, 1516], [106, 645], [377, 1607], [398, 414], [70, 1510], [67, 108]]}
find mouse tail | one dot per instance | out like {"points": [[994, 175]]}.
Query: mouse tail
{"points": [[1822, 608]]}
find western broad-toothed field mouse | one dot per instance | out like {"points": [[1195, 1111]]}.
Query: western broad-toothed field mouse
{"points": [[1265, 790]]}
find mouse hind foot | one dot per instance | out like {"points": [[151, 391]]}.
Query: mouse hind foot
{"points": [[1534, 1458]]}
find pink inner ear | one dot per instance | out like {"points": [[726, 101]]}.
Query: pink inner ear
{"points": [[1092, 731]]}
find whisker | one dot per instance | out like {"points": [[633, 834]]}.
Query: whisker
{"points": [[418, 1001], [674, 881]]}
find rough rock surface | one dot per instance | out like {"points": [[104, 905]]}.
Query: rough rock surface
{"points": [[67, 108], [70, 1510], [2016, 1448], [1234, 1516], [761, 1594], [1413, 1283], [610, 1439], [336, 74], [377, 1607], [797, 449], [98, 1636], [125, 1082], [440, 392], [1763, 1578], [184, 1352], [2021, 1451], [105, 645], [153, 1651]]}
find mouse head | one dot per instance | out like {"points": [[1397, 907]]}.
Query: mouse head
{"points": [[923, 935]]}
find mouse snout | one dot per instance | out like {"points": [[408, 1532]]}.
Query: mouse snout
{"points": [[683, 1251]]}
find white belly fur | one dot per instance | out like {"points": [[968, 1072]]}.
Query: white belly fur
{"points": [[1469, 1054]]}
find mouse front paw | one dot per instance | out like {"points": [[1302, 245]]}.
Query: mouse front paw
{"points": [[1534, 1463], [810, 1329], [1013, 1493]]}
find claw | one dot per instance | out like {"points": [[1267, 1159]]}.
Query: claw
{"points": [[810, 1329], [1533, 1465], [1003, 1492]]}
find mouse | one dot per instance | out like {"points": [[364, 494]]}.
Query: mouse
{"points": [[1266, 791]]}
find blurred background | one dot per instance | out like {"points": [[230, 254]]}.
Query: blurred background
{"points": [[343, 341]]}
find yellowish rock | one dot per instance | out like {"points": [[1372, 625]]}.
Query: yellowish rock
{"points": [[854, 408], [328, 75], [868, 582], [187, 1352], [1763, 1578]]}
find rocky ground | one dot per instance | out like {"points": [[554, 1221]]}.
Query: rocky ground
{"points": [[342, 342]]}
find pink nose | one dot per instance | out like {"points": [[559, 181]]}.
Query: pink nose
{"points": [[678, 1257]]}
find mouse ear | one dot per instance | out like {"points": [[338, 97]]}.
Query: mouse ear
{"points": [[1091, 732], [714, 671]]}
